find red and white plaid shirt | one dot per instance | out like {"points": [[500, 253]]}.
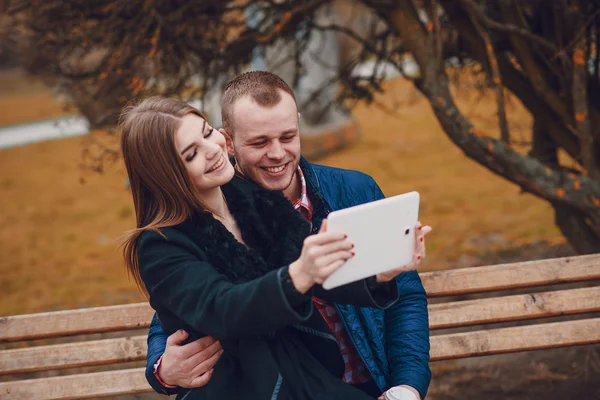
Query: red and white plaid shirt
{"points": [[355, 370]]}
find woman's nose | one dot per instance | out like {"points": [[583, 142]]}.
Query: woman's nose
{"points": [[212, 150]]}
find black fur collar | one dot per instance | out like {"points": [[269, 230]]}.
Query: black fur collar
{"points": [[272, 229]]}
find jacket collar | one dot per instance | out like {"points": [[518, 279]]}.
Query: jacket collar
{"points": [[321, 207], [272, 230]]}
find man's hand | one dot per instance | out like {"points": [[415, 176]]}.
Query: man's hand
{"points": [[190, 365], [418, 396], [419, 253]]}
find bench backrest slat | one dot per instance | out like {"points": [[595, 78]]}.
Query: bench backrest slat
{"points": [[82, 386], [514, 308], [71, 355], [521, 338], [75, 322], [444, 315], [511, 276], [442, 283]]}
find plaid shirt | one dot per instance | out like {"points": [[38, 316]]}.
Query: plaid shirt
{"points": [[355, 370]]}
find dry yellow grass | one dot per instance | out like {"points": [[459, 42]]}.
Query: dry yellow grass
{"points": [[59, 239], [24, 99]]}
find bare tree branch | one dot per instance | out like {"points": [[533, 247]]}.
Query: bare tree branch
{"points": [[580, 103], [493, 63]]}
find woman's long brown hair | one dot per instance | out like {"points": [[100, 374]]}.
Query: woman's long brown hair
{"points": [[163, 193]]}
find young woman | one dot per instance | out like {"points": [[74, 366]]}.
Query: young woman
{"points": [[221, 256]]}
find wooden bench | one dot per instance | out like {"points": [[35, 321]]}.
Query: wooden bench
{"points": [[523, 310]]}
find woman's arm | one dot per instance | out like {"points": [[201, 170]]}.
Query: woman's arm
{"points": [[191, 289], [363, 293]]}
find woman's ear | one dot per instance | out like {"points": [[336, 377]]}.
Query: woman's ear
{"points": [[228, 142]]}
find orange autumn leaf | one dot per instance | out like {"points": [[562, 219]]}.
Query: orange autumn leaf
{"points": [[577, 185], [595, 201], [285, 18], [578, 57], [561, 192], [580, 116], [154, 40], [134, 82], [109, 7], [138, 88]]}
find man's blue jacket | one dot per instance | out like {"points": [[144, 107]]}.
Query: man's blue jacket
{"points": [[393, 343]]}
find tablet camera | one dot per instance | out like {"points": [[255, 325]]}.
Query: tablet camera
{"points": [[407, 231]]}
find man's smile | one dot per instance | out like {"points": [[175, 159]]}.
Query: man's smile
{"points": [[276, 170]]}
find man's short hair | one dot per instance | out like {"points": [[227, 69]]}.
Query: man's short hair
{"points": [[262, 86]]}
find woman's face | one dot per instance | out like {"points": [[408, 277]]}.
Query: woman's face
{"points": [[203, 152]]}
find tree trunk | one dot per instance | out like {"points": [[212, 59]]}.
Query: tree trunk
{"points": [[574, 226], [572, 223]]}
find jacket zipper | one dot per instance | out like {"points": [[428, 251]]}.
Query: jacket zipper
{"points": [[362, 357]]}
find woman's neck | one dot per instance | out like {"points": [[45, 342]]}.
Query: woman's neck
{"points": [[215, 203]]}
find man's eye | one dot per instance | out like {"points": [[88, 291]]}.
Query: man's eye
{"points": [[287, 138], [191, 156], [259, 144]]}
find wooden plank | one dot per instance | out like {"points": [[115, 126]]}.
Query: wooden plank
{"points": [[75, 322], [511, 276], [509, 340], [464, 313], [81, 386], [81, 354], [440, 283], [514, 308]]}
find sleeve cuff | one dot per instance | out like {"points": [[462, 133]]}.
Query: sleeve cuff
{"points": [[384, 295], [299, 304], [155, 372]]}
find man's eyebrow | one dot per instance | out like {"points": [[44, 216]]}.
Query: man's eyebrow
{"points": [[257, 139]]}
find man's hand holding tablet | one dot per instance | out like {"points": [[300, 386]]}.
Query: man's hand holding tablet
{"points": [[387, 235], [419, 254]]}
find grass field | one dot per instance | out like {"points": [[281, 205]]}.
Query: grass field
{"points": [[61, 223]]}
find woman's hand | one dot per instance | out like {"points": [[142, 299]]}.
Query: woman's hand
{"points": [[419, 253], [321, 255]]}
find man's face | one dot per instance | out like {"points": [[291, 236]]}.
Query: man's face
{"points": [[266, 142]]}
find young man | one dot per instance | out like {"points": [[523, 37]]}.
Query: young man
{"points": [[381, 348]]}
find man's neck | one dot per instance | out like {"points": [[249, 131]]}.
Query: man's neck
{"points": [[293, 192]]}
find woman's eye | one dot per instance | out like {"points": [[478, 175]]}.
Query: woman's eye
{"points": [[191, 156], [209, 133]]}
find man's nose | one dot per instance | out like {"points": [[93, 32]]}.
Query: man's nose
{"points": [[276, 150]]}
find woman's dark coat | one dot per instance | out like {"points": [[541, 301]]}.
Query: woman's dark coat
{"points": [[277, 346]]}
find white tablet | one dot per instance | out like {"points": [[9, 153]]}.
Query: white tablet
{"points": [[382, 233]]}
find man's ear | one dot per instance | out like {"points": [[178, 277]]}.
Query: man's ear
{"points": [[228, 142]]}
